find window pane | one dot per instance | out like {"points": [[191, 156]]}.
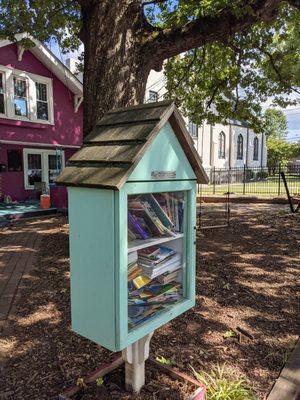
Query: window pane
{"points": [[20, 88], [1, 83], [2, 109], [156, 271], [193, 129], [42, 110], [34, 172], [34, 161], [20, 107], [53, 167], [153, 96], [41, 91], [14, 160]]}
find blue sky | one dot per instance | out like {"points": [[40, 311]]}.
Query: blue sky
{"points": [[293, 119], [292, 113]]}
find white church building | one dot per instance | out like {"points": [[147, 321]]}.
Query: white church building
{"points": [[220, 146]]}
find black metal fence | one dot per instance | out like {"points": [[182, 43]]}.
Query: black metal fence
{"points": [[263, 181]]}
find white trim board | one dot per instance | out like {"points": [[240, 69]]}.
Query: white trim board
{"points": [[66, 146]]}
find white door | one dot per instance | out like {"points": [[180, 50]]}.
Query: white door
{"points": [[41, 166]]}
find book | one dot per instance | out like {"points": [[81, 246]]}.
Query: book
{"points": [[158, 209], [134, 272], [141, 281], [132, 257], [149, 252], [134, 223], [162, 254], [167, 277], [155, 272]]}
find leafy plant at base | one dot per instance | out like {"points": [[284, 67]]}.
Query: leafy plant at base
{"points": [[219, 387], [99, 381], [229, 334], [162, 360]]}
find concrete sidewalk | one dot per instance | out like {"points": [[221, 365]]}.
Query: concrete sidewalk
{"points": [[287, 386]]}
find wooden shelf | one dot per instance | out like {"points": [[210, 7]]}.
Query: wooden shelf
{"points": [[141, 244]]}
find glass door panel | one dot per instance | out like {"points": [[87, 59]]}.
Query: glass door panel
{"points": [[53, 167], [34, 171], [156, 259]]}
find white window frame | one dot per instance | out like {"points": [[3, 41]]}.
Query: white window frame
{"points": [[151, 94], [193, 129], [44, 164], [42, 101], [3, 115], [31, 79], [24, 79]]}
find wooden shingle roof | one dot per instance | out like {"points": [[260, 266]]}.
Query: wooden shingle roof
{"points": [[120, 139]]}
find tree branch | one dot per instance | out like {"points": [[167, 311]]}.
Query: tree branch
{"points": [[169, 42], [276, 69]]}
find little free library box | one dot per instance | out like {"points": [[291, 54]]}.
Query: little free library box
{"points": [[132, 214]]}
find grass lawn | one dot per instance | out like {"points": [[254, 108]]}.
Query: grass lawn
{"points": [[264, 188]]}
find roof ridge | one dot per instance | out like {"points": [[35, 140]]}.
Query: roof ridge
{"points": [[120, 123], [141, 106]]}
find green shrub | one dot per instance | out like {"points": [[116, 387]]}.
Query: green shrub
{"points": [[218, 387], [262, 174], [249, 175]]}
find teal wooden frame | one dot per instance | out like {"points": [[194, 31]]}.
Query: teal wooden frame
{"points": [[98, 246], [124, 337]]}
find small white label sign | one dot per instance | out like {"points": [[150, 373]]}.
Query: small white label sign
{"points": [[163, 174]]}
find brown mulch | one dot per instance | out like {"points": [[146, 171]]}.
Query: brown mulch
{"points": [[247, 277]]}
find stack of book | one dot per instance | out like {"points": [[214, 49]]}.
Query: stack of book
{"points": [[154, 282], [155, 215]]}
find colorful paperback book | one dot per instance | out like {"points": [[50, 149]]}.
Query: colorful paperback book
{"points": [[149, 252], [155, 272], [132, 256], [133, 221], [163, 253], [141, 281], [162, 215]]}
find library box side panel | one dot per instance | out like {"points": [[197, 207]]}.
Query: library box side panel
{"points": [[91, 218], [163, 160]]}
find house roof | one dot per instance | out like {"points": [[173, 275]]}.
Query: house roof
{"points": [[120, 139], [46, 57]]}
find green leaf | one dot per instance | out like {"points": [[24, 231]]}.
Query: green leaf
{"points": [[229, 334], [163, 360]]}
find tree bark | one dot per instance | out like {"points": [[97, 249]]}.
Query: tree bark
{"points": [[115, 67]]}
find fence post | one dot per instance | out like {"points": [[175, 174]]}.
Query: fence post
{"points": [[279, 178], [244, 180], [214, 180]]}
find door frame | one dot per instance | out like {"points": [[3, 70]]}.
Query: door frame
{"points": [[44, 164]]}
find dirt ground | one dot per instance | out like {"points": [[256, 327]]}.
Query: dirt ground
{"points": [[247, 278]]}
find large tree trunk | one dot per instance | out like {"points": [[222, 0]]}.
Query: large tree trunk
{"points": [[115, 70]]}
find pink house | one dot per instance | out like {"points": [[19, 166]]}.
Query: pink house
{"points": [[40, 117]]}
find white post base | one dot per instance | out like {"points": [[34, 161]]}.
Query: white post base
{"points": [[135, 356]]}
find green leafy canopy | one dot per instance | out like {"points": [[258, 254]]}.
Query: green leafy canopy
{"points": [[225, 78], [234, 77], [44, 20]]}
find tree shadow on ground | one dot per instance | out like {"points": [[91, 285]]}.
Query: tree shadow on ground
{"points": [[246, 277]]}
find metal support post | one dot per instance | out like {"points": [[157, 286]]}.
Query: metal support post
{"points": [[135, 356]]}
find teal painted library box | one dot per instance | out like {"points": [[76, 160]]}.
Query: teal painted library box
{"points": [[132, 215]]}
